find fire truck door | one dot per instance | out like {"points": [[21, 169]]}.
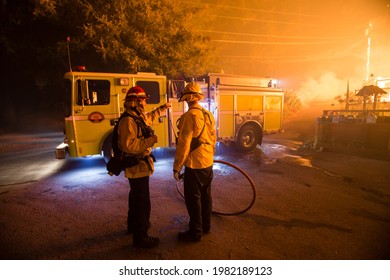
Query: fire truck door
{"points": [[94, 105], [273, 113]]}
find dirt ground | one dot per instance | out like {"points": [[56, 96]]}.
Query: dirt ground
{"points": [[309, 204]]}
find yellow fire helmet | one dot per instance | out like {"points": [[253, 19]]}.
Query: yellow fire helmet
{"points": [[192, 92]]}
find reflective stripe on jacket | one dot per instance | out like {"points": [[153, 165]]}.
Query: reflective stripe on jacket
{"points": [[190, 126]]}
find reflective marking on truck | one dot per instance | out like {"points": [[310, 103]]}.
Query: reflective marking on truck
{"points": [[96, 117], [85, 118]]}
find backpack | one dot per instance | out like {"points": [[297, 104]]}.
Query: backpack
{"points": [[118, 161], [115, 164], [117, 152]]}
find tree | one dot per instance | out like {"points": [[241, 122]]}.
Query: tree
{"points": [[106, 35], [154, 35], [135, 35]]}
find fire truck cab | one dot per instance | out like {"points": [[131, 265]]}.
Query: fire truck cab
{"points": [[93, 104]]}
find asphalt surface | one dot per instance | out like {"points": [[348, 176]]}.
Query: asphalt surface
{"points": [[308, 205]]}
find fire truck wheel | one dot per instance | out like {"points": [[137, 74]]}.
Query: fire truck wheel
{"points": [[248, 137], [107, 148]]}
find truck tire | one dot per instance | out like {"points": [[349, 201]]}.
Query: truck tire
{"points": [[248, 137], [107, 148]]}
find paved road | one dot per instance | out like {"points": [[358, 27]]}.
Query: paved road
{"points": [[308, 205]]}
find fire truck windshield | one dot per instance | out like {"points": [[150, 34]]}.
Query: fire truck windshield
{"points": [[93, 92]]}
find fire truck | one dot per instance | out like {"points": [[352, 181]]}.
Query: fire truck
{"points": [[245, 109]]}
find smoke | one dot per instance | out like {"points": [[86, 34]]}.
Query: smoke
{"points": [[312, 47], [321, 90]]}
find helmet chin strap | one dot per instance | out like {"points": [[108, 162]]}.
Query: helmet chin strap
{"points": [[190, 103], [182, 97]]}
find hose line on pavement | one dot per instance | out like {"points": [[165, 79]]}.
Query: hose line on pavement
{"points": [[246, 176]]}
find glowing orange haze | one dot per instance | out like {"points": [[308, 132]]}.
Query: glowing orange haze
{"points": [[314, 47]]}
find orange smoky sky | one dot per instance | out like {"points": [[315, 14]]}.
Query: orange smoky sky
{"points": [[316, 47]]}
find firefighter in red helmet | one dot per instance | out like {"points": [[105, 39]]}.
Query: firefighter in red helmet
{"points": [[135, 139]]}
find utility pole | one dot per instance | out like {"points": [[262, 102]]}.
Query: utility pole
{"points": [[368, 34], [347, 97]]}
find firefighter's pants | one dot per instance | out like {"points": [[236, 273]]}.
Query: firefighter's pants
{"points": [[197, 193], [139, 206]]}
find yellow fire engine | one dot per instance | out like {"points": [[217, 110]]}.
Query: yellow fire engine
{"points": [[245, 108]]}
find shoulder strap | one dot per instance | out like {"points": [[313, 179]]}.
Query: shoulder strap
{"points": [[138, 120], [143, 129], [204, 115], [124, 114]]}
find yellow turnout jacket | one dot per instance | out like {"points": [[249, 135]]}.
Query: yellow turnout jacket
{"points": [[132, 142], [190, 125]]}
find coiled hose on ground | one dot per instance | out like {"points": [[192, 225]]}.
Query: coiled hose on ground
{"points": [[246, 176]]}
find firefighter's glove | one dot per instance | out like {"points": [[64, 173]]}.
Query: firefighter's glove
{"points": [[166, 106], [176, 175], [153, 139]]}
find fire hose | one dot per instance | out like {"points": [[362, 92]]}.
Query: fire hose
{"points": [[246, 176]]}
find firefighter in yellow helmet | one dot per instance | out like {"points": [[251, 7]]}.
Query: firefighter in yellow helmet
{"points": [[135, 139], [195, 151]]}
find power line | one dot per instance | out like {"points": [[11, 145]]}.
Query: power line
{"points": [[274, 43], [330, 24], [280, 36], [255, 59], [343, 53], [260, 10], [272, 21]]}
